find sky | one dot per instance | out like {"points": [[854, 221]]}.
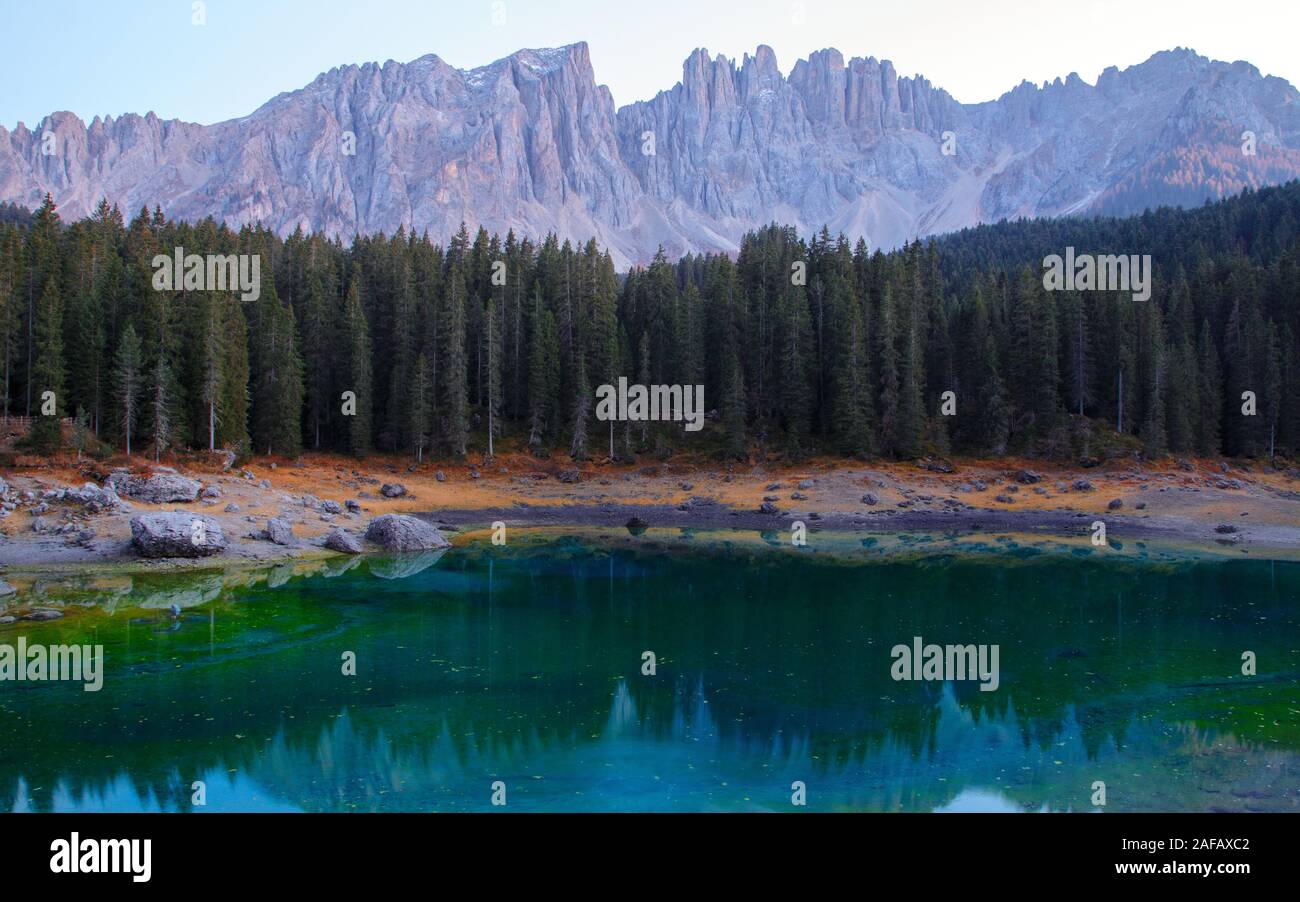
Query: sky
{"points": [[97, 57]]}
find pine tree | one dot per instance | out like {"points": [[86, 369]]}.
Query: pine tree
{"points": [[318, 342], [160, 421], [232, 405], [543, 372], [128, 382], [492, 341], [733, 417], [455, 404], [982, 414], [47, 369], [277, 378], [887, 370], [1210, 394], [421, 391], [11, 270], [795, 391], [356, 371], [581, 407], [211, 363], [1154, 374]]}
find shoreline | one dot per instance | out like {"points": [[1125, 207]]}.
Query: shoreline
{"points": [[1208, 506]]}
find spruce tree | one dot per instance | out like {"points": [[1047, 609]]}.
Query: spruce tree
{"points": [[47, 369], [128, 382], [492, 342], [356, 372], [581, 407], [455, 396], [420, 393]]}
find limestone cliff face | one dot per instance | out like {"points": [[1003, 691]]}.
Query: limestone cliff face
{"points": [[532, 142]]}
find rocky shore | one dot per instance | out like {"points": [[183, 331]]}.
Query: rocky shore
{"points": [[165, 517]]}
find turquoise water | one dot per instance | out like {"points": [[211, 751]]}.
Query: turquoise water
{"points": [[523, 666]]}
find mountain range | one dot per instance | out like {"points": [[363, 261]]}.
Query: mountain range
{"points": [[533, 143]]}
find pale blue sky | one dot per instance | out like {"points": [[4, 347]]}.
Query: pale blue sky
{"points": [[115, 56]]}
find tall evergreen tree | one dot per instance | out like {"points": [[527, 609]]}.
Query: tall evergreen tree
{"points": [[128, 382]]}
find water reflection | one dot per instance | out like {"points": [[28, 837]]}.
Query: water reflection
{"points": [[525, 668]]}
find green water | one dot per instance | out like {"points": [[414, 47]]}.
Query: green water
{"points": [[524, 666]]}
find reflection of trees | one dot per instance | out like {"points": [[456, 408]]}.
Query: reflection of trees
{"points": [[781, 667]]}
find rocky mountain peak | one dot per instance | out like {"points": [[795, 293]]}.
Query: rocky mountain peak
{"points": [[532, 142]]}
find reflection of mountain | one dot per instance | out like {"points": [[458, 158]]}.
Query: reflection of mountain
{"points": [[970, 765], [771, 669]]}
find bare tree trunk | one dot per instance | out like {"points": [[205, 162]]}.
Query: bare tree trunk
{"points": [[1121, 401]]}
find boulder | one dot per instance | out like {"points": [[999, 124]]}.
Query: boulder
{"points": [[344, 541], [279, 531], [331, 507], [41, 614], [176, 534], [94, 498], [399, 532], [160, 488], [392, 490], [568, 477]]}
